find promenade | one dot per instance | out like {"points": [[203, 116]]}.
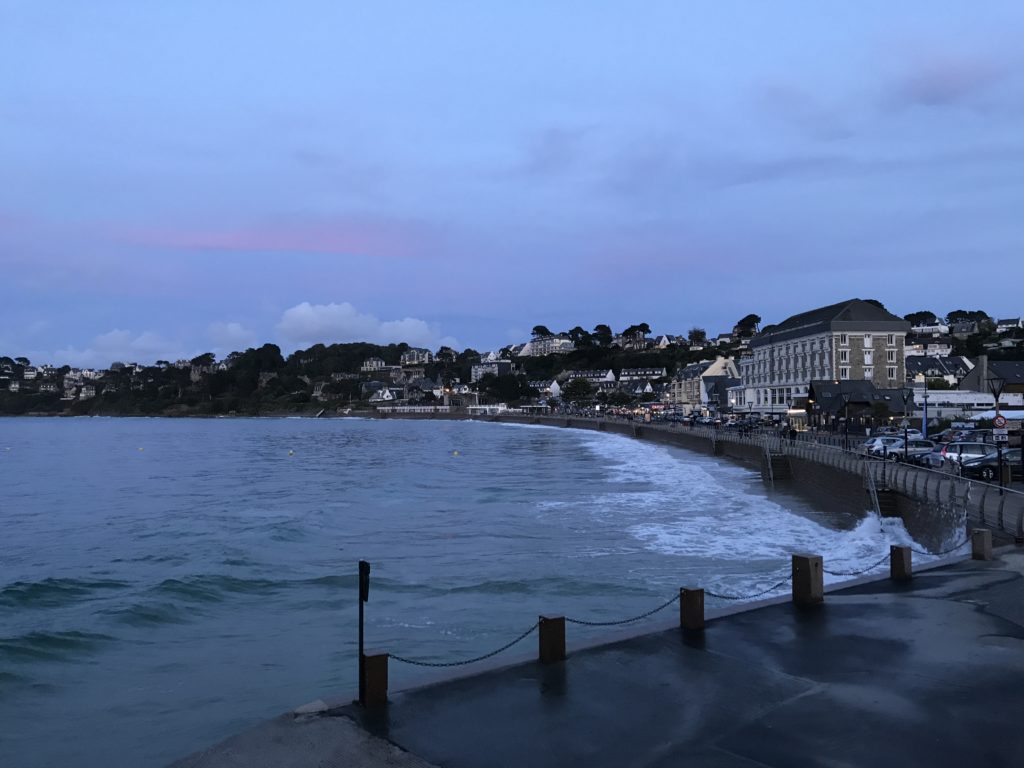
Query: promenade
{"points": [[929, 672]]}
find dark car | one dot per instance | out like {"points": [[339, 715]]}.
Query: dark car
{"points": [[987, 467]]}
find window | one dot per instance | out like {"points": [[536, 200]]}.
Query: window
{"points": [[891, 372], [869, 357], [844, 340], [891, 341], [844, 355], [869, 372], [844, 373], [890, 356], [867, 340]]}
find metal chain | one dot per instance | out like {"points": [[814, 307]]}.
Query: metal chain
{"points": [[722, 596], [857, 573], [651, 612], [419, 663], [943, 552]]}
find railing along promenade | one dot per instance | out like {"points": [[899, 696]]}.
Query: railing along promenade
{"points": [[940, 490]]}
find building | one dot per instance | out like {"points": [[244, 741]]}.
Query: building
{"points": [[642, 374], [29, 373], [1009, 324], [87, 392], [930, 329], [371, 364], [856, 405], [546, 345], [547, 389], [494, 367], [417, 356], [601, 380], [931, 346], [853, 340], [949, 369], [1010, 373], [688, 389]]}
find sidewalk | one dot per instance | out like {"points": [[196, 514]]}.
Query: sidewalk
{"points": [[931, 673]]}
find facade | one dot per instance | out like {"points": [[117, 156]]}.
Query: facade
{"points": [[932, 346], [417, 356], [496, 368], [641, 374], [687, 389], [602, 380], [1009, 324], [546, 345], [371, 364], [854, 340]]}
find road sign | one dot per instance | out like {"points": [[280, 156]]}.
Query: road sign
{"points": [[999, 421], [1000, 431], [1001, 438]]}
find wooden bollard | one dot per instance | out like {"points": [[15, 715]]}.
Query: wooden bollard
{"points": [[900, 568], [551, 639], [981, 544], [691, 608], [375, 667], [808, 580]]}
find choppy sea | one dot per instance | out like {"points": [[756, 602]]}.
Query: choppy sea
{"points": [[167, 583]]}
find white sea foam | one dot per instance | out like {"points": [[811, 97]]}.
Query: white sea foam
{"points": [[705, 509]]}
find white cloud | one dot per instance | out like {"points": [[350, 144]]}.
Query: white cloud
{"points": [[306, 324], [230, 337], [120, 345]]}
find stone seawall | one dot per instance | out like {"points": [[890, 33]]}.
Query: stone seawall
{"points": [[829, 487]]}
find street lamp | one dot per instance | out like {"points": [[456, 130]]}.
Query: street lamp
{"points": [[846, 418], [995, 385], [907, 395]]}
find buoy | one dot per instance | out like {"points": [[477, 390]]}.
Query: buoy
{"points": [[291, 453], [455, 453]]}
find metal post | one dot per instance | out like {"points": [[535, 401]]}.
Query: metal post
{"points": [[364, 594], [906, 441], [999, 465]]}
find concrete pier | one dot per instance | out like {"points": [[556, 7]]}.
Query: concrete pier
{"points": [[921, 672]]}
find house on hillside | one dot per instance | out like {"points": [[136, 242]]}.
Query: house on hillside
{"points": [[641, 374], [417, 356], [371, 364], [547, 345], [494, 367], [1009, 324], [601, 379], [930, 346]]}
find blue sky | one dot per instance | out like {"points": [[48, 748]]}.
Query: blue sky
{"points": [[187, 176]]}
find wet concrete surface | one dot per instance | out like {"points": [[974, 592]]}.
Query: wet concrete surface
{"points": [[926, 674]]}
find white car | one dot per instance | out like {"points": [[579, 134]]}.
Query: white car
{"points": [[877, 446]]}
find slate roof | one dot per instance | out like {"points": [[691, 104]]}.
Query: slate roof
{"points": [[827, 395], [936, 366], [1012, 371], [852, 315]]}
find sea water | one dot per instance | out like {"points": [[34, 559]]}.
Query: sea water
{"points": [[166, 583]]}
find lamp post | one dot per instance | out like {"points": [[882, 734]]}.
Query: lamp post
{"points": [[995, 385], [846, 419], [924, 413], [907, 395]]}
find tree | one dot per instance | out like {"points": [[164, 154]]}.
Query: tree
{"points": [[697, 335], [924, 317], [602, 335], [580, 337], [207, 358], [747, 326], [577, 391], [540, 331], [446, 355], [22, 361]]}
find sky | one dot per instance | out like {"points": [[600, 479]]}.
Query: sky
{"points": [[186, 176]]}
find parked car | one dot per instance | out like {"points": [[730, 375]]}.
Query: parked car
{"points": [[881, 446], [964, 451], [987, 467], [933, 459], [915, 448]]}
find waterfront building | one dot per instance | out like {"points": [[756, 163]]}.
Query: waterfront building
{"points": [[547, 389], [855, 405], [687, 389], [853, 340]]}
